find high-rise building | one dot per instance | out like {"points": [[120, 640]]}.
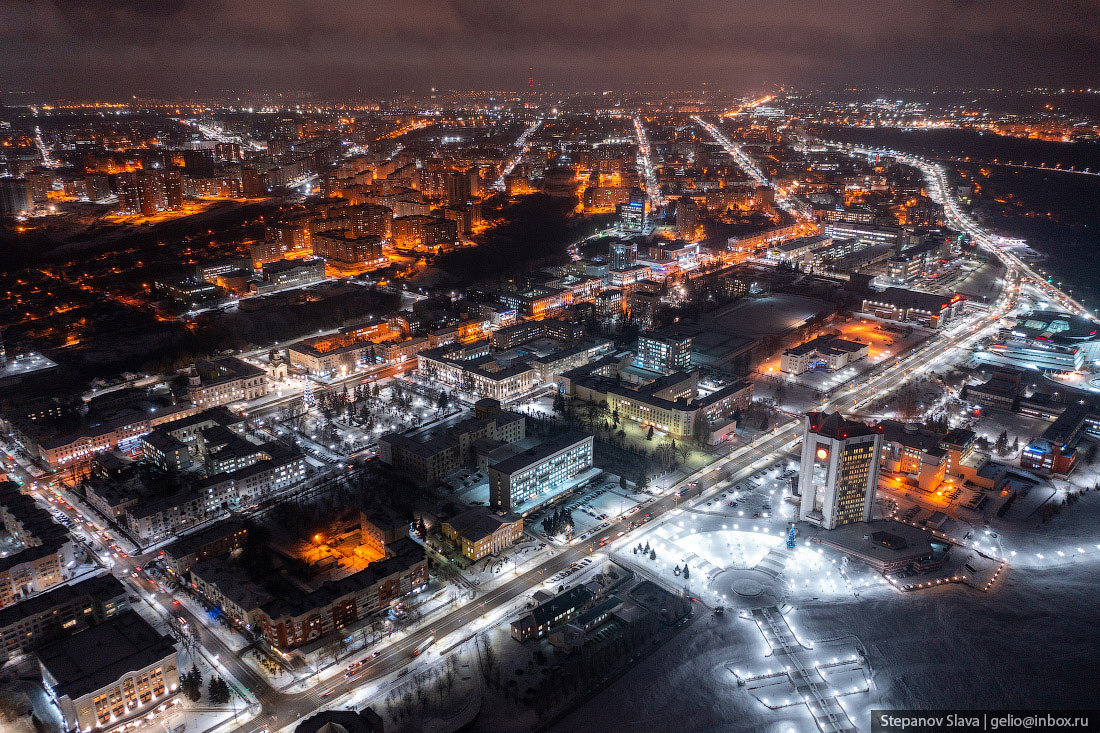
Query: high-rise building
{"points": [[371, 219], [251, 183], [15, 196], [424, 233], [632, 213], [229, 152], [632, 216], [623, 255], [173, 189], [687, 219], [144, 193], [839, 470], [341, 247], [461, 187], [664, 352]]}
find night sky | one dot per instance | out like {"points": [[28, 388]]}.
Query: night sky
{"points": [[111, 48]]}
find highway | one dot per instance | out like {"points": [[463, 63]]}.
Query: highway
{"points": [[740, 464], [521, 150], [282, 709], [939, 189]]}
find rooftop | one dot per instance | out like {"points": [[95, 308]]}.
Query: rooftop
{"points": [[99, 586], [838, 427], [541, 452], [94, 658]]}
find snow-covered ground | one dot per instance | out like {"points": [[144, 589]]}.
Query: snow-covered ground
{"points": [[1020, 645]]}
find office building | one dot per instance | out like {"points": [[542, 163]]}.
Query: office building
{"points": [[522, 482], [478, 532], [220, 382], [839, 470], [825, 352], [110, 673], [623, 255], [663, 352], [871, 234], [471, 368], [672, 403], [928, 458], [283, 274], [632, 215], [510, 337]]}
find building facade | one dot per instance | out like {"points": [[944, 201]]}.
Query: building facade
{"points": [[110, 673], [839, 470], [522, 479], [479, 532]]}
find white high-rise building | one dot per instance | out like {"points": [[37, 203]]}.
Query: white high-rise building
{"points": [[839, 471]]}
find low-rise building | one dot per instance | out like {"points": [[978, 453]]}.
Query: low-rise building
{"points": [[153, 520], [672, 403], [283, 274], [45, 553], [511, 336], [1055, 451], [550, 614], [428, 456], [381, 528], [292, 620], [214, 383], [537, 302], [472, 369], [829, 351], [220, 539], [478, 532], [109, 673], [887, 546], [121, 430], [913, 306], [351, 348]]}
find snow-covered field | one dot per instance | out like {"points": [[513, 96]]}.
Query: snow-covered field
{"points": [[1025, 644]]}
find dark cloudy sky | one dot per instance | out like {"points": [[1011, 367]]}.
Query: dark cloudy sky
{"points": [[81, 48]]}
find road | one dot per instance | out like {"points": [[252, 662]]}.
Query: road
{"points": [[521, 150], [281, 709], [740, 464], [939, 190]]}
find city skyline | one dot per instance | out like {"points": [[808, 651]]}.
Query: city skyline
{"points": [[488, 367]]}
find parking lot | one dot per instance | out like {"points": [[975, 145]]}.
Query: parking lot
{"points": [[595, 508], [761, 496]]}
